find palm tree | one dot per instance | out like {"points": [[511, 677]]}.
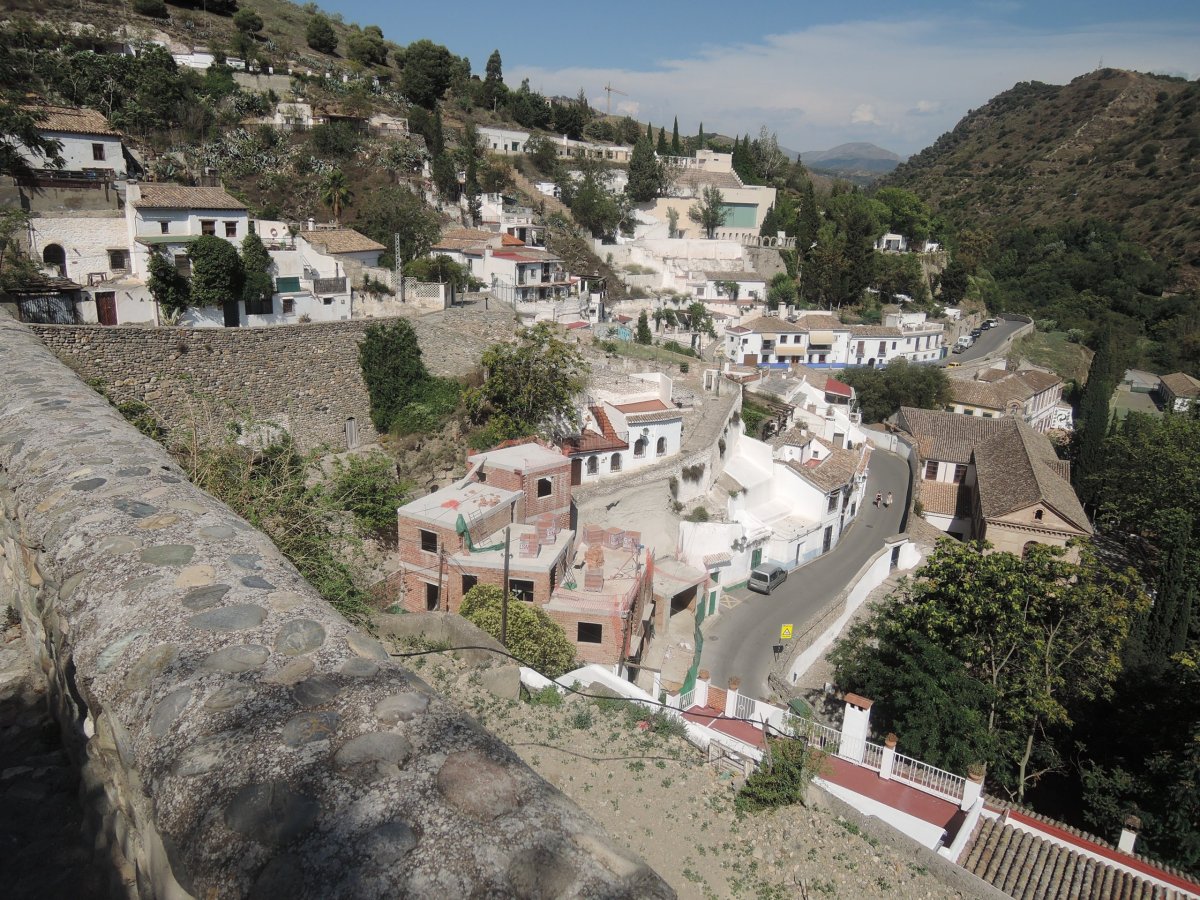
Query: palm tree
{"points": [[335, 192]]}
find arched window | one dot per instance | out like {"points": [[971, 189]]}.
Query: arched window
{"points": [[593, 465], [54, 255], [662, 446], [545, 487], [614, 464], [1037, 515], [639, 447], [1029, 545]]}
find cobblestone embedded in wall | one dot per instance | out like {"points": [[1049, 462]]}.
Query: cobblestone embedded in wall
{"points": [[305, 378], [236, 737]]}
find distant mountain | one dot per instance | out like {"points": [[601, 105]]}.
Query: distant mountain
{"points": [[852, 159], [1121, 146]]}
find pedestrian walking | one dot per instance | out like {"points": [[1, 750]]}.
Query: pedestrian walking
{"points": [[888, 502], [878, 499]]}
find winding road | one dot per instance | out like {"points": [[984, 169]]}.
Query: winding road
{"points": [[739, 640], [986, 344]]}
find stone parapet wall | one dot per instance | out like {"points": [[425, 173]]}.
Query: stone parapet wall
{"points": [[305, 378], [235, 735]]}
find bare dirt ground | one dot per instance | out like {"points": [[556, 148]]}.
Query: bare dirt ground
{"points": [[655, 793]]}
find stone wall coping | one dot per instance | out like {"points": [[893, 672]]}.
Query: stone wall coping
{"points": [[236, 735]]}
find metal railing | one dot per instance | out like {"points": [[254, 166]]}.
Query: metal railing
{"points": [[329, 285], [872, 755], [927, 778], [744, 707], [687, 699], [818, 736]]}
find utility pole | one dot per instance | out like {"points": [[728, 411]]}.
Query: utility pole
{"points": [[504, 600]]}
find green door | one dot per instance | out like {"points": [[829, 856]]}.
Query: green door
{"points": [[756, 557], [712, 603]]}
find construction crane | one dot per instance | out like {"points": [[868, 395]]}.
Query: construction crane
{"points": [[610, 90]]}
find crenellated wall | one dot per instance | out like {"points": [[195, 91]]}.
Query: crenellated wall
{"points": [[236, 736], [305, 378]]}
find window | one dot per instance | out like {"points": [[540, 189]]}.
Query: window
{"points": [[164, 227], [662, 447], [882, 348], [968, 411], [429, 541], [822, 357], [521, 589], [1037, 515], [783, 339], [260, 307], [208, 226], [118, 260], [589, 633], [432, 593], [328, 301], [639, 448], [545, 487], [289, 305], [931, 467], [614, 464], [593, 465], [183, 264], [231, 229], [468, 582], [862, 348], [893, 345], [98, 152], [960, 472], [833, 503]]}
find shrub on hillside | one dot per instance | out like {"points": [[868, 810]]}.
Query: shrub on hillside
{"points": [[533, 637], [155, 9]]}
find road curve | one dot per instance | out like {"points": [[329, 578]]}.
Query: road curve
{"points": [[739, 641]]}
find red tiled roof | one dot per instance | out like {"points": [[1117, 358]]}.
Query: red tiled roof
{"points": [[507, 240], [833, 386], [577, 325]]}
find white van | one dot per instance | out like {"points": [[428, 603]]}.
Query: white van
{"points": [[767, 577], [965, 341]]}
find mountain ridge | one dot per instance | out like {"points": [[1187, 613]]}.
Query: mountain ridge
{"points": [[1117, 145]]}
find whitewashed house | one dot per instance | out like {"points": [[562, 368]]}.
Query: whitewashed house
{"points": [[818, 340], [627, 425], [892, 243], [505, 141], [90, 147]]}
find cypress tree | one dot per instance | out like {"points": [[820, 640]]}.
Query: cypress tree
{"points": [[700, 139], [650, 132], [1093, 410], [662, 143], [676, 148]]}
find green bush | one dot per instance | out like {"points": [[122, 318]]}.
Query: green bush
{"points": [[533, 637], [783, 779], [699, 514], [547, 696], [155, 9], [367, 487], [334, 139]]}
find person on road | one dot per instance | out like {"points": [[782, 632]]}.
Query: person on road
{"points": [[878, 499], [888, 502]]}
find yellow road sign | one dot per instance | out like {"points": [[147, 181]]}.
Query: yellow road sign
{"points": [[785, 633]]}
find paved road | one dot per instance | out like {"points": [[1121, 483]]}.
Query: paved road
{"points": [[740, 639], [985, 344]]}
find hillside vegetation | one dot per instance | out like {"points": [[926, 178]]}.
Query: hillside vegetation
{"points": [[1119, 146]]}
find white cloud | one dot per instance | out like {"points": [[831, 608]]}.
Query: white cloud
{"points": [[897, 83]]}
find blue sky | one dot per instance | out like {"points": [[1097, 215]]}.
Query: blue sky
{"points": [[895, 74]]}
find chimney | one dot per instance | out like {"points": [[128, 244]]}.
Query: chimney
{"points": [[312, 224], [1129, 834]]}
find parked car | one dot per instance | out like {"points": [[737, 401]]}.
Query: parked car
{"points": [[958, 348], [766, 577], [986, 325], [976, 332], [954, 365]]}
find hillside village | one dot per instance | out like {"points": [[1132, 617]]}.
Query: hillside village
{"points": [[755, 458]]}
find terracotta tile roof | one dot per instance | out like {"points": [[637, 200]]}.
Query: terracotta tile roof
{"points": [[946, 436], [992, 375], [945, 499], [464, 239], [507, 240], [717, 559], [875, 331], [71, 120], [341, 240], [831, 473], [591, 442], [837, 388], [641, 406], [1181, 384], [1018, 468], [659, 415], [179, 196], [1023, 864], [1000, 388], [734, 276], [802, 325], [1039, 380]]}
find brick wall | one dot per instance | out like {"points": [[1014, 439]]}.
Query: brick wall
{"points": [[611, 645], [302, 377]]}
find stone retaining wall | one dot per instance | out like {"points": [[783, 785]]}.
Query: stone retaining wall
{"points": [[236, 736], [305, 378]]}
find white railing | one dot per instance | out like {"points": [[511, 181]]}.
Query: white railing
{"points": [[872, 755], [687, 700], [818, 736], [927, 778], [744, 708]]}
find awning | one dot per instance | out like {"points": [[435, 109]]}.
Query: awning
{"points": [[820, 338]]}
